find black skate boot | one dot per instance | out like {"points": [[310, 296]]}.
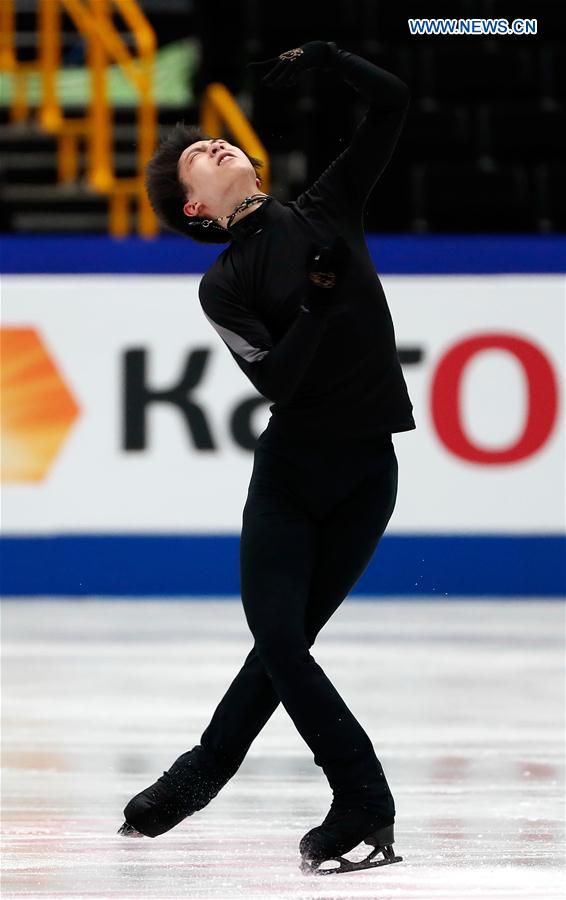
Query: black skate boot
{"points": [[191, 782], [346, 826]]}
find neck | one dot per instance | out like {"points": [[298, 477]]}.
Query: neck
{"points": [[245, 211]]}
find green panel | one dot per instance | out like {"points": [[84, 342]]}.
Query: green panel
{"points": [[175, 66]]}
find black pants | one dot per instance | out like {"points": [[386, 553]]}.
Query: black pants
{"points": [[311, 522]]}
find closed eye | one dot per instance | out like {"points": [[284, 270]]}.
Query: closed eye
{"points": [[197, 150], [193, 152]]}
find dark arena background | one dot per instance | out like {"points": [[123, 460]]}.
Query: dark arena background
{"points": [[128, 436]]}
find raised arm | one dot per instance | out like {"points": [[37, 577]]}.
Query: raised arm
{"points": [[347, 182], [383, 91]]}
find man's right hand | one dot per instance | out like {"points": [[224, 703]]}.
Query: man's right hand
{"points": [[325, 267]]}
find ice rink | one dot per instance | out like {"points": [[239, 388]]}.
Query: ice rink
{"points": [[464, 702]]}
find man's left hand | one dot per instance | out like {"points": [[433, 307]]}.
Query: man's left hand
{"points": [[283, 70]]}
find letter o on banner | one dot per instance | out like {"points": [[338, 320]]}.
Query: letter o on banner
{"points": [[542, 401]]}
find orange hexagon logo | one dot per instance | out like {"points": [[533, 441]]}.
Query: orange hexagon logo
{"points": [[37, 408]]}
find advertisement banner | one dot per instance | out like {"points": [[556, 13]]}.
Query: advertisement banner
{"points": [[128, 414], [128, 430]]}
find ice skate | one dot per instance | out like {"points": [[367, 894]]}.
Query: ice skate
{"points": [[190, 783], [341, 832]]}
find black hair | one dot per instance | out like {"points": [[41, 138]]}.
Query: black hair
{"points": [[166, 192]]}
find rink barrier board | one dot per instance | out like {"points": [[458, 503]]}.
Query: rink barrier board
{"points": [[428, 565], [442, 566], [392, 254]]}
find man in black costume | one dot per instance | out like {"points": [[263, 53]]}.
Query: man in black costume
{"points": [[296, 299]]}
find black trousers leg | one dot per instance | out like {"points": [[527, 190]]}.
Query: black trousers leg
{"points": [[297, 567]]}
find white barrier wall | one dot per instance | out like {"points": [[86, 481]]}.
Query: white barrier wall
{"points": [[83, 451]]}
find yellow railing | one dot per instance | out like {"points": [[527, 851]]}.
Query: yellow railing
{"points": [[93, 19], [7, 27], [219, 107]]}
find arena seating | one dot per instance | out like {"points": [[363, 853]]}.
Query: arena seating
{"points": [[484, 143]]}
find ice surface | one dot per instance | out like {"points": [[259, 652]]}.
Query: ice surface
{"points": [[464, 702]]}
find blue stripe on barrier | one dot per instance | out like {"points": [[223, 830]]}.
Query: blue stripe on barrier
{"points": [[392, 254], [414, 565]]}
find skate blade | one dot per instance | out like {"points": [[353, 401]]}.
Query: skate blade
{"points": [[129, 831], [346, 865]]}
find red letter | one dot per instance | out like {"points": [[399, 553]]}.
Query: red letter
{"points": [[541, 407]]}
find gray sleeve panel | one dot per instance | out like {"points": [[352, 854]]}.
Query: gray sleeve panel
{"points": [[237, 343]]}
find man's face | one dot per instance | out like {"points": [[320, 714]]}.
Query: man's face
{"points": [[211, 170]]}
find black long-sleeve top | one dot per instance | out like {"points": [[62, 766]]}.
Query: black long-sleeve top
{"points": [[330, 378]]}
